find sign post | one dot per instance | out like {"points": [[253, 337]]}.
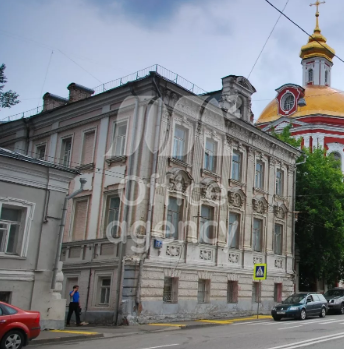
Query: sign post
{"points": [[259, 274]]}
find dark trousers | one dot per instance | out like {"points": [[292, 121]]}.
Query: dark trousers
{"points": [[74, 307]]}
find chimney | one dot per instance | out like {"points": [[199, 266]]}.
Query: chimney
{"points": [[78, 92], [51, 101]]}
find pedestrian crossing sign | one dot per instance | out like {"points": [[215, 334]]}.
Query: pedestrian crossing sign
{"points": [[259, 272]]}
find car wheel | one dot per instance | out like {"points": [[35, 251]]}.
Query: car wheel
{"points": [[323, 312], [277, 318], [303, 314], [12, 340], [342, 309]]}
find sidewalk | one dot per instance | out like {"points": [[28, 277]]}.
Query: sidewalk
{"points": [[90, 332]]}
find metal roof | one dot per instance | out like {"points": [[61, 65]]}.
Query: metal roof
{"points": [[17, 156]]}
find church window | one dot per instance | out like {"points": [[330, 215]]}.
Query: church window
{"points": [[288, 102], [310, 75], [326, 76], [337, 157]]}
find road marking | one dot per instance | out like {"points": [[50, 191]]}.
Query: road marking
{"points": [[243, 319], [255, 323], [329, 322], [309, 341], [162, 346], [75, 332], [287, 328]]}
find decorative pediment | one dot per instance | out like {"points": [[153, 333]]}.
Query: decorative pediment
{"points": [[260, 205], [178, 179], [236, 198], [280, 211], [210, 189]]}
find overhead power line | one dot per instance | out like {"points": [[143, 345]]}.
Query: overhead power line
{"points": [[311, 36], [273, 28]]}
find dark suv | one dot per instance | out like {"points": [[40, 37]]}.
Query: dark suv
{"points": [[300, 306], [335, 298]]}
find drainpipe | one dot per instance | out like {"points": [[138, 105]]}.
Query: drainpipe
{"points": [[120, 270], [62, 225]]}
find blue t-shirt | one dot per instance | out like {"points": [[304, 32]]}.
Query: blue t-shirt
{"points": [[75, 296]]}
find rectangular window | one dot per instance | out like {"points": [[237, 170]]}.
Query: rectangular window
{"points": [[40, 152], [88, 148], [174, 216], [233, 230], [278, 239], [104, 290], [179, 143], [206, 228], [170, 294], [278, 293], [112, 214], [257, 234], [255, 292], [203, 295], [120, 139], [279, 182], [232, 292], [5, 297], [80, 220], [259, 175], [236, 166], [66, 150], [12, 221], [210, 155]]}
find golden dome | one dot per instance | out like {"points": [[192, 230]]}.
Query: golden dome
{"points": [[319, 100], [317, 46]]}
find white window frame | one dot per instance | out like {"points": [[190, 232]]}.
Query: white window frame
{"points": [[201, 219], [99, 276], [181, 215], [36, 150], [106, 199], [174, 290], [61, 161], [210, 154], [84, 132], [25, 229], [279, 184], [261, 235], [186, 142], [275, 237], [240, 164], [117, 124], [230, 227], [262, 175], [71, 229], [310, 75]]}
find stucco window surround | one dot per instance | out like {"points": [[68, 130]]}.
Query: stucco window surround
{"points": [[278, 242], [119, 138], [103, 289], [110, 198], [211, 157], [40, 151], [183, 124], [65, 154], [239, 150], [21, 231], [337, 148], [79, 221], [175, 211], [86, 147]]}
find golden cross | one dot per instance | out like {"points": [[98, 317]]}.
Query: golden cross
{"points": [[317, 4]]}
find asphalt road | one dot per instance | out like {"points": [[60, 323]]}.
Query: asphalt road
{"points": [[288, 334]]}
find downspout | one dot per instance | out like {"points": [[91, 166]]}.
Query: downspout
{"points": [[62, 225], [26, 122], [151, 192], [120, 270]]}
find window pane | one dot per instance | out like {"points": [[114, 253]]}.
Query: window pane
{"points": [[278, 239], [236, 164], [10, 214], [233, 231], [257, 235], [106, 282], [173, 217], [201, 291], [120, 139], [179, 143], [167, 295], [113, 213]]}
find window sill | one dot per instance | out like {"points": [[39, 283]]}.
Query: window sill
{"points": [[114, 159], [259, 190], [179, 162], [11, 256], [280, 197], [86, 167], [234, 182], [204, 171]]}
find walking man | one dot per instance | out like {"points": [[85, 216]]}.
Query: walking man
{"points": [[74, 305]]}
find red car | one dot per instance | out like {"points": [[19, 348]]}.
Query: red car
{"points": [[17, 326]]}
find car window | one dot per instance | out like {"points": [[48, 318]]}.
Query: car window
{"points": [[322, 298], [334, 293], [316, 298], [295, 298], [1, 312], [9, 310], [309, 298]]}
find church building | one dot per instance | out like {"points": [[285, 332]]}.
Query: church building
{"points": [[315, 109]]}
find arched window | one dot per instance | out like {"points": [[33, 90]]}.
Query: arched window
{"points": [[326, 76], [337, 157], [310, 75], [288, 102]]}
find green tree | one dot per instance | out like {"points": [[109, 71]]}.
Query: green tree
{"points": [[319, 232], [8, 98]]}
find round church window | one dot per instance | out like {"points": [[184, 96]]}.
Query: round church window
{"points": [[287, 102]]}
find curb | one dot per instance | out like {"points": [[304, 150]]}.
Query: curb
{"points": [[66, 339]]}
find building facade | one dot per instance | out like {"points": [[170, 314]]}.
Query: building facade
{"points": [[183, 196], [32, 193]]}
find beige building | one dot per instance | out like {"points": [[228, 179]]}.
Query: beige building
{"points": [[208, 196]]}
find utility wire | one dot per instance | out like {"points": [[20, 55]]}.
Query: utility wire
{"points": [[311, 36], [260, 53]]}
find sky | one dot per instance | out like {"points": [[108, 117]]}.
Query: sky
{"points": [[47, 44]]}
